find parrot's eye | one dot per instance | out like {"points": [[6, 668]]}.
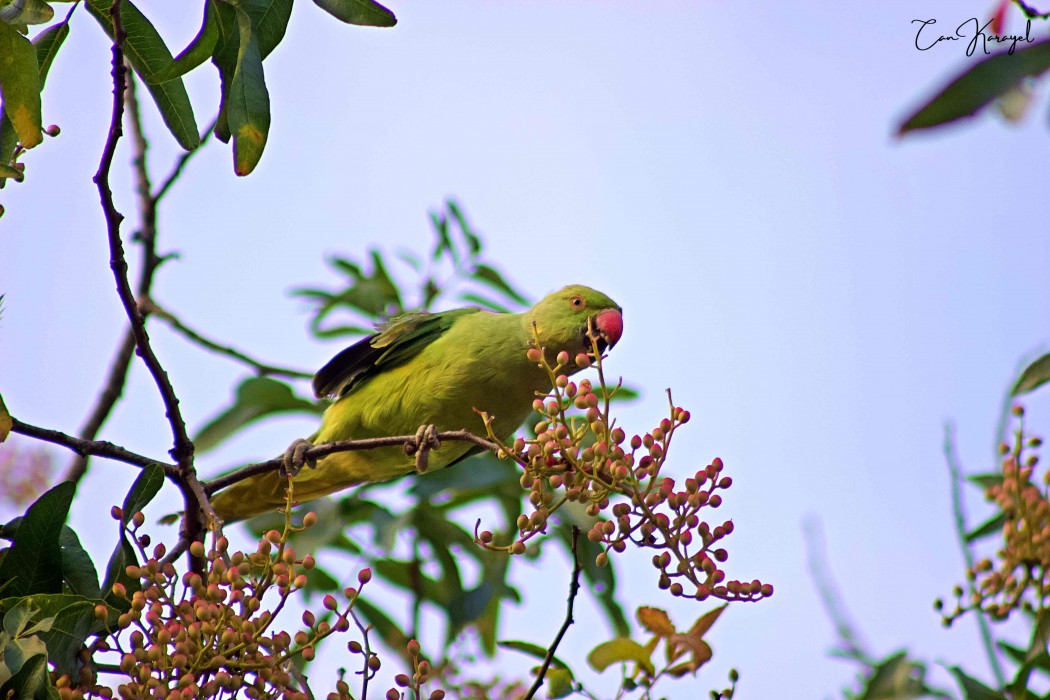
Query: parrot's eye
{"points": [[578, 302]]}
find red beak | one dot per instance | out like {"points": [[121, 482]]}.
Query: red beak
{"points": [[610, 324]]}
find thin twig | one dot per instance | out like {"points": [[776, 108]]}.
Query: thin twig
{"points": [[111, 392], [1030, 12], [961, 528], [301, 679], [97, 448], [852, 646], [181, 163], [261, 368], [366, 671], [574, 588], [319, 451]]}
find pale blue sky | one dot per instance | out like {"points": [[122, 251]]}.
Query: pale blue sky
{"points": [[822, 296]]}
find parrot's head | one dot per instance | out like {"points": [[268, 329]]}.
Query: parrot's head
{"points": [[564, 318]]}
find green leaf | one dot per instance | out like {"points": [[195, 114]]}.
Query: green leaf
{"points": [[77, 568], [248, 110], [20, 85], [972, 688], [990, 527], [256, 398], [535, 651], [26, 12], [895, 677], [1034, 376], [200, 49], [63, 623], [986, 481], [269, 22], [17, 616], [488, 275], [145, 488], [980, 85], [147, 53], [559, 683], [472, 239], [47, 44], [31, 682], [6, 422], [34, 560], [617, 651], [484, 302], [360, 12]]}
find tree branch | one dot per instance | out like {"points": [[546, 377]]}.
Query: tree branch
{"points": [[149, 306], [196, 501], [97, 448], [574, 588], [147, 236], [319, 451]]}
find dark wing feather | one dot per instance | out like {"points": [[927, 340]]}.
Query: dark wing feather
{"points": [[399, 340]]}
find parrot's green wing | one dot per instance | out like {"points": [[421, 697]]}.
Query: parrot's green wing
{"points": [[400, 339]]}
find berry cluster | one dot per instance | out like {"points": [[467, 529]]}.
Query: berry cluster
{"points": [[210, 634], [1018, 577], [579, 455]]}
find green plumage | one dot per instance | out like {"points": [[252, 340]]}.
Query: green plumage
{"points": [[428, 369]]}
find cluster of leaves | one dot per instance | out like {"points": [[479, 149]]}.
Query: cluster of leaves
{"points": [[578, 456], [1002, 78], [235, 36]]}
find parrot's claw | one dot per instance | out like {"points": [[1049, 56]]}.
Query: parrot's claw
{"points": [[294, 458], [425, 440]]}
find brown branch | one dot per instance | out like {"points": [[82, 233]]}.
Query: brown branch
{"points": [[149, 306], [574, 588], [319, 451], [111, 392], [96, 448], [196, 501], [147, 236]]}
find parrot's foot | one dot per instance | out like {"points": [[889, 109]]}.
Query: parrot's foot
{"points": [[294, 458], [421, 445]]}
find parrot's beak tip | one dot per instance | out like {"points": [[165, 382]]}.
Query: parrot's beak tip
{"points": [[610, 327]]}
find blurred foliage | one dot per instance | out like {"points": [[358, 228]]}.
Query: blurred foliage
{"points": [[236, 35], [1003, 78], [1011, 582]]}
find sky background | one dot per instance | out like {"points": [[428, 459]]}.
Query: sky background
{"points": [[822, 295]]}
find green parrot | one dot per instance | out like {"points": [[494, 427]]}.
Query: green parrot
{"points": [[431, 369]]}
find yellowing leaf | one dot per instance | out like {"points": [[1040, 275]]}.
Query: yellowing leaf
{"points": [[656, 621], [20, 85], [5, 421], [704, 622], [617, 651]]}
